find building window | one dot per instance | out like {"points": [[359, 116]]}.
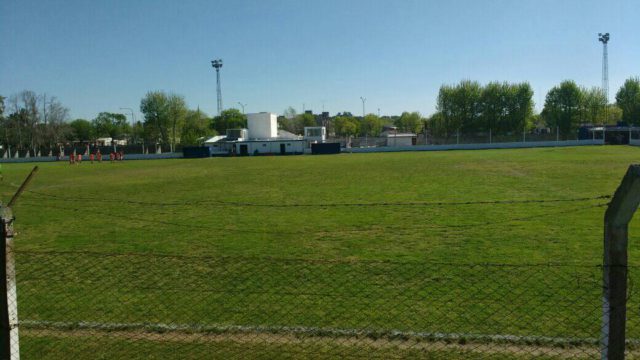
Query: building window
{"points": [[314, 132], [264, 145], [288, 144]]}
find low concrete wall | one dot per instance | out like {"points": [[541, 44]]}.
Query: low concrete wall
{"points": [[634, 142], [30, 159], [511, 145], [86, 158]]}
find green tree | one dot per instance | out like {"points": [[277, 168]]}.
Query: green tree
{"points": [[157, 122], [371, 125], [410, 122], [594, 105], [346, 126], [459, 106], [628, 99], [519, 108], [82, 129], [196, 128], [176, 112], [229, 119], [307, 119], [111, 125], [289, 113], [562, 107]]}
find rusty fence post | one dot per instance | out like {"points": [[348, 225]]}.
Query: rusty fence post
{"points": [[614, 305]]}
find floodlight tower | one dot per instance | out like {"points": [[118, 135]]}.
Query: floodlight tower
{"points": [[604, 39], [217, 64]]}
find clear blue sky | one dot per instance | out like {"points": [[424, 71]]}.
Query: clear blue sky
{"points": [[102, 55]]}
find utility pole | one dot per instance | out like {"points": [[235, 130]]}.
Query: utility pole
{"points": [[604, 39], [217, 64], [242, 105], [44, 109], [364, 99]]}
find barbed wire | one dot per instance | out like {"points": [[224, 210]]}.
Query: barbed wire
{"points": [[290, 205], [301, 260]]}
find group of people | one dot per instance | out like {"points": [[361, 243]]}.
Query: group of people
{"points": [[97, 156]]}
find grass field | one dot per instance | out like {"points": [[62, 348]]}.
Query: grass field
{"points": [[351, 241]]}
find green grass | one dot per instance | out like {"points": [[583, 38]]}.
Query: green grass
{"points": [[377, 268], [109, 223]]}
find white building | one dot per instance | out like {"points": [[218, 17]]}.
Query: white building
{"points": [[262, 125], [261, 137], [394, 138]]}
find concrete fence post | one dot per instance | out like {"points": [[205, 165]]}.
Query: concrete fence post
{"points": [[614, 305], [9, 341]]}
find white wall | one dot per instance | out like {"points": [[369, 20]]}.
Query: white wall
{"points": [[272, 147], [512, 145], [262, 125], [399, 141]]}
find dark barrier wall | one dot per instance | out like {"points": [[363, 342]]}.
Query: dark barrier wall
{"points": [[196, 151], [325, 148]]}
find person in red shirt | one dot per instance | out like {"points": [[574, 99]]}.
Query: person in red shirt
{"points": [[79, 160], [111, 156], [99, 156], [72, 158], [91, 157]]}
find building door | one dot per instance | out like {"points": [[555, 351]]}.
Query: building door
{"points": [[283, 149], [244, 150]]}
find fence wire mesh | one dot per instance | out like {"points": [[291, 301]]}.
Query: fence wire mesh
{"points": [[93, 305]]}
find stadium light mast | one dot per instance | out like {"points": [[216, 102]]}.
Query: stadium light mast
{"points": [[604, 39], [242, 105], [217, 64]]}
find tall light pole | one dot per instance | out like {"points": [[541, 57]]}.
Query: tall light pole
{"points": [[242, 105], [366, 140], [604, 39], [133, 117], [217, 64]]}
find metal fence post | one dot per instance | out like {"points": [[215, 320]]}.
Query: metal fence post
{"points": [[614, 307], [9, 344]]}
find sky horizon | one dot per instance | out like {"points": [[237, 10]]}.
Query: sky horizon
{"points": [[105, 55]]}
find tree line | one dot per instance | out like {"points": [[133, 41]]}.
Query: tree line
{"points": [[346, 124], [505, 109], [31, 121]]}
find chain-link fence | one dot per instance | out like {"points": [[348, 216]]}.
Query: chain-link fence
{"points": [[86, 305]]}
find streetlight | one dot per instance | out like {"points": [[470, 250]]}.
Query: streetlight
{"points": [[133, 121], [243, 105], [133, 117], [364, 99]]}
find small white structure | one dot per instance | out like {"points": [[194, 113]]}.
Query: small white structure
{"points": [[262, 125], [105, 141], [237, 134], [394, 138], [315, 133]]}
